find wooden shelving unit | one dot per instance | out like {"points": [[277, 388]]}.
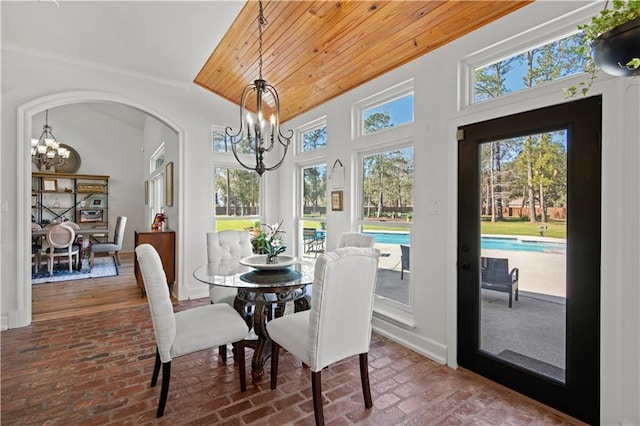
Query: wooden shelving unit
{"points": [[84, 199]]}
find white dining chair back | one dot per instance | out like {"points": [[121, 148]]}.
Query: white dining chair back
{"points": [[355, 239], [222, 246], [226, 245], [320, 337], [60, 239], [187, 331]]}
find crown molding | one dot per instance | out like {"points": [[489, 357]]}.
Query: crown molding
{"points": [[18, 51]]}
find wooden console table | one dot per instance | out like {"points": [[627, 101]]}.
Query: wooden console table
{"points": [[164, 242]]}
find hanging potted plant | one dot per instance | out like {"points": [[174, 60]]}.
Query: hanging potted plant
{"points": [[613, 40]]}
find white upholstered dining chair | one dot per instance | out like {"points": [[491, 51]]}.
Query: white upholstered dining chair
{"points": [[188, 331], [355, 239], [319, 337], [226, 245]]}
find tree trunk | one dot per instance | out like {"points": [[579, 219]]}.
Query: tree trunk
{"points": [[543, 206], [498, 178], [532, 197]]}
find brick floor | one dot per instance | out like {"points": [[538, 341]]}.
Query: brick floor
{"points": [[96, 370]]}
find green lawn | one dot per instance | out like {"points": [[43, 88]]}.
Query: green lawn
{"points": [[555, 229]]}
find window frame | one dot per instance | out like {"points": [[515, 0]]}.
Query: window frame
{"points": [[153, 159], [548, 32], [386, 96], [306, 128]]}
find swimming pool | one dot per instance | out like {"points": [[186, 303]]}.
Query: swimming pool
{"points": [[488, 243]]}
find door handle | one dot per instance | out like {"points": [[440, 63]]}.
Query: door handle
{"points": [[466, 265]]}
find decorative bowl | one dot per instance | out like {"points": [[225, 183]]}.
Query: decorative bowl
{"points": [[259, 261]]}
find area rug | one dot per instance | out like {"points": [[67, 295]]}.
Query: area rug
{"points": [[102, 267]]}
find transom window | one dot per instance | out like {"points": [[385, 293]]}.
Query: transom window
{"points": [[313, 135], [157, 159], [220, 142], [390, 108], [539, 65]]}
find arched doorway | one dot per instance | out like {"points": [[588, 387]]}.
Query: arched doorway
{"points": [[25, 114]]}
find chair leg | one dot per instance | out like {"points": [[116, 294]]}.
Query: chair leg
{"points": [[510, 297], [166, 377], [222, 353], [118, 258], [91, 260], [239, 357], [156, 369], [316, 386], [364, 378], [402, 273], [275, 354]]}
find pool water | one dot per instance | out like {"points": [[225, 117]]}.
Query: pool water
{"points": [[488, 243]]}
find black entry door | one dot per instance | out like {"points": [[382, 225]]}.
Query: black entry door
{"points": [[529, 254]]}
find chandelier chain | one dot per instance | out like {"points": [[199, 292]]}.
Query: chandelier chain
{"points": [[261, 22]]}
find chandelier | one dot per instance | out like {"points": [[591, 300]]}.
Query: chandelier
{"points": [[46, 150], [255, 134]]}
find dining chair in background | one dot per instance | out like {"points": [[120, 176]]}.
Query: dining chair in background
{"points": [[115, 246], [318, 337], [355, 239], [36, 248], [226, 245], [188, 331], [60, 239]]}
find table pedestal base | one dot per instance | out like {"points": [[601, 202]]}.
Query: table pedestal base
{"points": [[266, 304]]}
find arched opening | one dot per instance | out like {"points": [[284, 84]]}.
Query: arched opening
{"points": [[25, 117]]}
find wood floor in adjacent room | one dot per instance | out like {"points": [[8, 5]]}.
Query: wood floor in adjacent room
{"points": [[88, 356]]}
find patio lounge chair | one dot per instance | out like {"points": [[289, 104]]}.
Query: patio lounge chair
{"points": [[496, 276]]}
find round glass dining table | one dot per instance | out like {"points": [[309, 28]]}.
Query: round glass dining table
{"points": [[262, 295]]}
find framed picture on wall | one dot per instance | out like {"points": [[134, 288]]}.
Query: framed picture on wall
{"points": [[336, 200], [96, 203]]}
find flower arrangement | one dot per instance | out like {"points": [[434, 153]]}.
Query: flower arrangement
{"points": [[267, 239]]}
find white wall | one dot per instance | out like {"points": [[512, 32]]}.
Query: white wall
{"points": [[190, 112]]}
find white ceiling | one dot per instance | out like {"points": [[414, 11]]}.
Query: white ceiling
{"points": [[169, 40]]}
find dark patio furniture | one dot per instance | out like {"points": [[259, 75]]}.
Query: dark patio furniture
{"points": [[496, 276], [404, 259]]}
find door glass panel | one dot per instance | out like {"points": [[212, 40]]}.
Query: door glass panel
{"points": [[523, 212]]}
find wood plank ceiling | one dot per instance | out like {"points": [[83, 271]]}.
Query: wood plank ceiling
{"points": [[315, 50]]}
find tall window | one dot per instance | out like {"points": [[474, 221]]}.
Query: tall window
{"points": [[313, 209], [387, 214], [536, 66], [237, 198]]}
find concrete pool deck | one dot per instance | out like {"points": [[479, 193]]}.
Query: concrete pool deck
{"points": [[541, 274]]}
